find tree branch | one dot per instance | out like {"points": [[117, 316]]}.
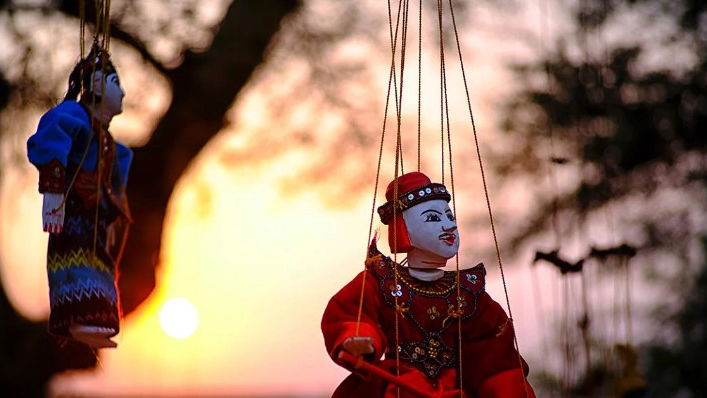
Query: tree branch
{"points": [[71, 8]]}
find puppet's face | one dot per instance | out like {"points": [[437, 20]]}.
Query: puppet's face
{"points": [[433, 228], [108, 88]]}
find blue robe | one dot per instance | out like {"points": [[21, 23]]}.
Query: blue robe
{"points": [[81, 268]]}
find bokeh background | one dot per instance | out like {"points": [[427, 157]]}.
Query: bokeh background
{"points": [[256, 127]]}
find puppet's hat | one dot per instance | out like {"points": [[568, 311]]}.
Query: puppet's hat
{"points": [[413, 188]]}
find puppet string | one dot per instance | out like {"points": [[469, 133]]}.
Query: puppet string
{"points": [[486, 193], [378, 168]]}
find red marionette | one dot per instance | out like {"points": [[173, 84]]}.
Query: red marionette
{"points": [[451, 337]]}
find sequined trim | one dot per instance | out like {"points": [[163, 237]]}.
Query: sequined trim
{"points": [[430, 355], [438, 288], [410, 199]]}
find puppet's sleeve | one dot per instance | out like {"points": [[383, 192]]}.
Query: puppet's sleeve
{"points": [[340, 317], [495, 368], [48, 149]]}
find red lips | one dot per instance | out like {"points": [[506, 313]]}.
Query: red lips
{"points": [[448, 238]]}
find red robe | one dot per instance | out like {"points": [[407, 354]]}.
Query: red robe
{"points": [[428, 322]]}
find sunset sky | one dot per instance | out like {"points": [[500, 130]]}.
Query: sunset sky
{"points": [[259, 260]]}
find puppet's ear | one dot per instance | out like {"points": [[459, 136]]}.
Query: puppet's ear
{"points": [[397, 228]]}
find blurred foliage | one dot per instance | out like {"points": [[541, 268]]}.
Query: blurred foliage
{"points": [[680, 366], [629, 128], [620, 105]]}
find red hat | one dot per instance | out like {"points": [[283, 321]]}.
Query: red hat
{"points": [[413, 188]]}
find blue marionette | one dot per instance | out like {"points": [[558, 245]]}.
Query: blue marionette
{"points": [[82, 176]]}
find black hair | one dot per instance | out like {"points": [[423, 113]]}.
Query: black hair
{"points": [[80, 78]]}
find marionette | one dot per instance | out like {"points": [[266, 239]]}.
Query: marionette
{"points": [[82, 177], [433, 348]]}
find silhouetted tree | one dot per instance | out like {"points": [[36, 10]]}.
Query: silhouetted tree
{"points": [[679, 366], [619, 109]]}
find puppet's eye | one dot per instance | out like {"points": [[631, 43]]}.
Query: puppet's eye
{"points": [[450, 216], [432, 218]]}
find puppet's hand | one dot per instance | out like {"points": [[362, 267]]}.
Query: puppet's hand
{"points": [[359, 345], [53, 212]]}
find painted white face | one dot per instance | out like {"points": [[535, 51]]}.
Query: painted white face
{"points": [[110, 91], [433, 228]]}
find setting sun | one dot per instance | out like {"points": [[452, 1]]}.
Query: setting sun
{"points": [[178, 318]]}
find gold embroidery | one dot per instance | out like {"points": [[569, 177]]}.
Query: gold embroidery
{"points": [[433, 313], [371, 260], [402, 309], [441, 287], [453, 313]]}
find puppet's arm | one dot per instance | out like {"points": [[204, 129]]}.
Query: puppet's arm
{"points": [[48, 150], [507, 384], [339, 323], [499, 371]]}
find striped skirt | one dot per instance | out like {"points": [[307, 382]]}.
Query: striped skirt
{"points": [[82, 279]]}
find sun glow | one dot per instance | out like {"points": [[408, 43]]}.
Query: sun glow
{"points": [[179, 318]]}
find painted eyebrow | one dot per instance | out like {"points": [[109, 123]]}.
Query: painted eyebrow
{"points": [[430, 210]]}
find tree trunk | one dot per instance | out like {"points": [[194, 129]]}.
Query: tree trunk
{"points": [[204, 87]]}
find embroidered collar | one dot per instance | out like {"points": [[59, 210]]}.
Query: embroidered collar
{"points": [[439, 287]]}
